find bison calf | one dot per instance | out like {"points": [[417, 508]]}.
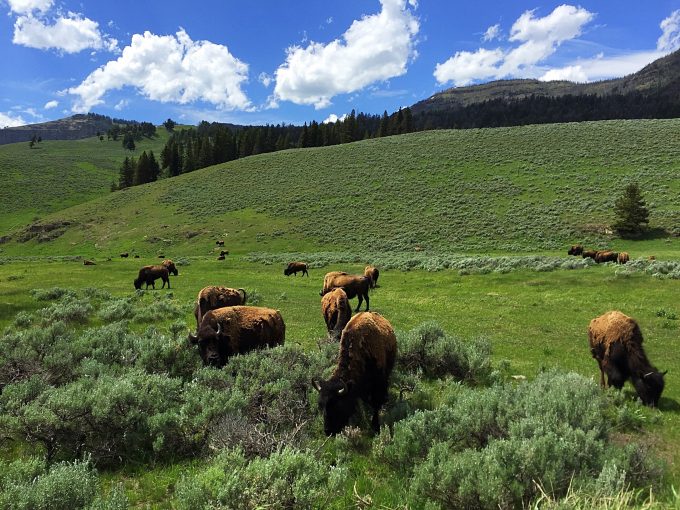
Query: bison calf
{"points": [[372, 273], [236, 330], [336, 312], [214, 297], [368, 349], [616, 344], [149, 275], [353, 285]]}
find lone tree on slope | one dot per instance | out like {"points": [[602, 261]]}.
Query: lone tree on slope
{"points": [[632, 215]]}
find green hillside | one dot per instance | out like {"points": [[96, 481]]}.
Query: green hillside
{"points": [[505, 190], [55, 174]]}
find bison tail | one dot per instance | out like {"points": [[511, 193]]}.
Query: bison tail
{"points": [[244, 296]]}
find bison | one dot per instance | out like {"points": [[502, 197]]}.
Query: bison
{"points": [[124, 255], [214, 297], [149, 274], [589, 254], [170, 265], [368, 349], [623, 257], [295, 267], [219, 243], [224, 252], [336, 312], [372, 273], [616, 344], [353, 285], [221, 257], [87, 262], [606, 256], [576, 249], [236, 330]]}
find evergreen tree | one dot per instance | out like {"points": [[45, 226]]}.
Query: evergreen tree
{"points": [[169, 125], [632, 215], [142, 170], [126, 173], [154, 167]]}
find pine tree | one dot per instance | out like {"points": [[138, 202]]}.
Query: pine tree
{"points": [[154, 167], [632, 215], [126, 174]]}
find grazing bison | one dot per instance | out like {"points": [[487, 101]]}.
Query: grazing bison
{"points": [[336, 312], [368, 349], [214, 297], [606, 256], [295, 267], [124, 255], [221, 257], [237, 330], [576, 249], [623, 257], [224, 252], [589, 254], [170, 265], [616, 344], [149, 274], [353, 285], [89, 263], [372, 272], [136, 256], [219, 243]]}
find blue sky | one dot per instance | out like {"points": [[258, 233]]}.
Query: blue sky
{"points": [[255, 62]]}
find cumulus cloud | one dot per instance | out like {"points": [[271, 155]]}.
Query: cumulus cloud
{"points": [[265, 79], [374, 48], [670, 36], [8, 119], [70, 34], [493, 32], [169, 69], [538, 38], [569, 73], [29, 6], [333, 118], [51, 104]]}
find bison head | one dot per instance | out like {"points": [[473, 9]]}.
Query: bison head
{"points": [[286, 271], [138, 283], [337, 403], [649, 387], [210, 345]]}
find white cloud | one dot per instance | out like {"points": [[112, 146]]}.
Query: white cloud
{"points": [[70, 34], [569, 73], [493, 32], [169, 69], [538, 37], [51, 104], [604, 68], [670, 37], [374, 48], [333, 118], [9, 120], [265, 79], [121, 105], [29, 6]]}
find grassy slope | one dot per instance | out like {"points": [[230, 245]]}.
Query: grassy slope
{"points": [[58, 174], [525, 189]]}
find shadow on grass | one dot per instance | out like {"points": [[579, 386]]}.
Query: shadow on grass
{"points": [[649, 235], [668, 404]]}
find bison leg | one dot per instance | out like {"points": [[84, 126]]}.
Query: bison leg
{"points": [[361, 300], [366, 296], [304, 272]]}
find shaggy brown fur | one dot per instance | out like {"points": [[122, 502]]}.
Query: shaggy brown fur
{"points": [[589, 254], [616, 344], [336, 312], [606, 256], [368, 350], [170, 265], [576, 249], [353, 285], [372, 272], [149, 274], [294, 267], [236, 330], [214, 297], [623, 257]]}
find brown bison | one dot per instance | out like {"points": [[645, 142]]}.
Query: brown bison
{"points": [[589, 254], [136, 256], [170, 265], [236, 330], [221, 257], [353, 285], [295, 267], [89, 263], [124, 255], [372, 272], [149, 274], [224, 252], [623, 257], [606, 256], [214, 297], [368, 349], [219, 243], [576, 249], [336, 312], [616, 344]]}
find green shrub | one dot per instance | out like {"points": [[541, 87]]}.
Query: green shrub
{"points": [[51, 294], [288, 479], [67, 309]]}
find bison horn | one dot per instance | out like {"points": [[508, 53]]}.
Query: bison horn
{"points": [[219, 328], [664, 372], [342, 390], [193, 339], [316, 385], [647, 375]]}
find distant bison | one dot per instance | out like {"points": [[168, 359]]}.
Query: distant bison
{"points": [[236, 330], [616, 344], [170, 265], [353, 285], [576, 249], [589, 254], [149, 274], [295, 267], [224, 252], [221, 257], [124, 255], [336, 312], [606, 256], [214, 297], [368, 349], [219, 243], [136, 256], [623, 258], [372, 272], [89, 263]]}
